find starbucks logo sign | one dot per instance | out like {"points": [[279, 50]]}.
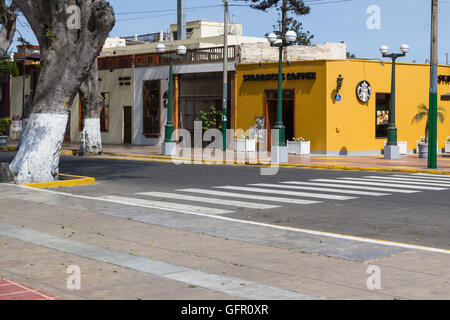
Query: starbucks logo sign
{"points": [[363, 91]]}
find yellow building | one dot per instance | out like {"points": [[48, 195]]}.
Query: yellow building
{"points": [[350, 126]]}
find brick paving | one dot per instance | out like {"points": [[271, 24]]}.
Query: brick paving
{"points": [[10, 290]]}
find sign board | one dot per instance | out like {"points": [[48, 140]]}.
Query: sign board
{"points": [[363, 91]]}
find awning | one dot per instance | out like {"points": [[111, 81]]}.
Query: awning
{"points": [[445, 97]]}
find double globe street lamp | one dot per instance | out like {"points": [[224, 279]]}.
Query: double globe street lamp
{"points": [[391, 150], [169, 145], [279, 149]]}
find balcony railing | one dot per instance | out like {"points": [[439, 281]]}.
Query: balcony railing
{"points": [[192, 56], [116, 62]]}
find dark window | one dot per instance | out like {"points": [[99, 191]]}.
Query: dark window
{"points": [[151, 108], [383, 108], [104, 114]]}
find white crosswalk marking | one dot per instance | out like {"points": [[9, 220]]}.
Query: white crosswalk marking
{"points": [[414, 180], [359, 187], [417, 177], [164, 205], [249, 196], [288, 193], [364, 193], [447, 177], [222, 202], [370, 182], [399, 182]]}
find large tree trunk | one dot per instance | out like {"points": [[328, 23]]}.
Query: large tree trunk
{"points": [[67, 55], [8, 22], [92, 103], [28, 105]]}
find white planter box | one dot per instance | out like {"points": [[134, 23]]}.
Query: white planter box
{"points": [[402, 147], [437, 146], [245, 145], [299, 147], [447, 146]]}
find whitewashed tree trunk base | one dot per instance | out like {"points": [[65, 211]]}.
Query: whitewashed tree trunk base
{"points": [[38, 158], [91, 138]]}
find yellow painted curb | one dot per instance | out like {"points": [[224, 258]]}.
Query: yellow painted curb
{"points": [[69, 152], [332, 167], [8, 148], [284, 165], [66, 180], [194, 161]]}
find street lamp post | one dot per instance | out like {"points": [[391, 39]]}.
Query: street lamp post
{"points": [[279, 149], [391, 150], [169, 145]]}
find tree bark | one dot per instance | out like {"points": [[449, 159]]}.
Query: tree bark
{"points": [[67, 56], [92, 103], [8, 22]]}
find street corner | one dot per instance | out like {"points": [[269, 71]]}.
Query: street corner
{"points": [[65, 180]]}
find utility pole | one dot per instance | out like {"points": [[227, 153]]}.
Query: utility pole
{"points": [[432, 117], [181, 24], [225, 78]]}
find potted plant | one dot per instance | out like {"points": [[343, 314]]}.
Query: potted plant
{"points": [[423, 111], [402, 146], [244, 144], [211, 119], [447, 145], [5, 123], [299, 146]]}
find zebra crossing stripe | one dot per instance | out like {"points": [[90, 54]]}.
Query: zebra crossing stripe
{"points": [[288, 193], [364, 193], [249, 196], [436, 176], [371, 182], [163, 205], [414, 181], [222, 202], [400, 182], [359, 187], [422, 178]]}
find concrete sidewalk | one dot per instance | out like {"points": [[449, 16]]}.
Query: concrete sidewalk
{"points": [[121, 256], [407, 163]]}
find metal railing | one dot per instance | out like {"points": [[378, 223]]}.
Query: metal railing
{"points": [[116, 62]]}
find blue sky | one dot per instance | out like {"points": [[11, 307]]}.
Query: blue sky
{"points": [[402, 21]]}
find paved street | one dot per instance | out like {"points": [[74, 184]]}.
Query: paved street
{"points": [[301, 234], [387, 206]]}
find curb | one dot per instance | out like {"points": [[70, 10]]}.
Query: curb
{"points": [[8, 148], [203, 161], [332, 167], [69, 152], [285, 165], [66, 181]]}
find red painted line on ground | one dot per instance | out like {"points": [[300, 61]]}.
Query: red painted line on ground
{"points": [[10, 290]]}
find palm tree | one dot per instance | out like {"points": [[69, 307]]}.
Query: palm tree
{"points": [[423, 113]]}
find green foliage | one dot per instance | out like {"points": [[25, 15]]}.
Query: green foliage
{"points": [[25, 43], [5, 123], [297, 7], [9, 67], [211, 119], [49, 35], [423, 113], [304, 38]]}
